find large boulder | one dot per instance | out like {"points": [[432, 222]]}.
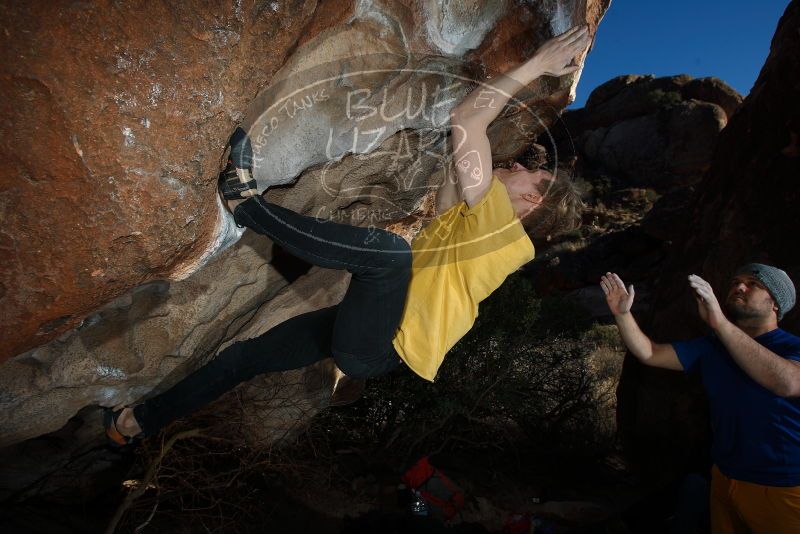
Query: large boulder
{"points": [[649, 132], [114, 120], [112, 150], [124, 272], [673, 146]]}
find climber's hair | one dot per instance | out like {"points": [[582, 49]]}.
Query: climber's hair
{"points": [[561, 210]]}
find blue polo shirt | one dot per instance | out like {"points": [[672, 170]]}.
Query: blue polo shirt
{"points": [[756, 434]]}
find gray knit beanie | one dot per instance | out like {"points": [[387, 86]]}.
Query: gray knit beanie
{"points": [[776, 281]]}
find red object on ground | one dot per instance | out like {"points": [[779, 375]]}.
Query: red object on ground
{"points": [[436, 488]]}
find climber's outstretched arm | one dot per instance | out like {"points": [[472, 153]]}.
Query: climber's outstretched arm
{"points": [[470, 119]]}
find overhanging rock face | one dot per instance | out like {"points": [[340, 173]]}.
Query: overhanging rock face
{"points": [[114, 275], [114, 120]]}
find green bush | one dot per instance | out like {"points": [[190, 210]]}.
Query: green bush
{"points": [[664, 99]]}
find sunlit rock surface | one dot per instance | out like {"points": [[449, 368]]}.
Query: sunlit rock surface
{"points": [[118, 275]]}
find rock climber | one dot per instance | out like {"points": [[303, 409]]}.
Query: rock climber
{"points": [[404, 303]]}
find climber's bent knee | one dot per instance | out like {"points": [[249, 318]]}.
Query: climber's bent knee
{"points": [[362, 367]]}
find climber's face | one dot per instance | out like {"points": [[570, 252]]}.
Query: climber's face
{"points": [[526, 188]]}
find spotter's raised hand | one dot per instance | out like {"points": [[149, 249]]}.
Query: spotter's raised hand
{"points": [[618, 298]]}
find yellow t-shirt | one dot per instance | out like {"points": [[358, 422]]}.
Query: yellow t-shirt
{"points": [[458, 260]]}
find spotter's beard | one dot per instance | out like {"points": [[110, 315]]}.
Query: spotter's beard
{"points": [[738, 310]]}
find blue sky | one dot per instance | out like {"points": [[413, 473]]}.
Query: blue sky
{"points": [[728, 39]]}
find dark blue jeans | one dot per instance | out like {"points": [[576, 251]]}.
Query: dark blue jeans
{"points": [[358, 332]]}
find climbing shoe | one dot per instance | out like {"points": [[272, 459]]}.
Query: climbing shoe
{"points": [[236, 181]]}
